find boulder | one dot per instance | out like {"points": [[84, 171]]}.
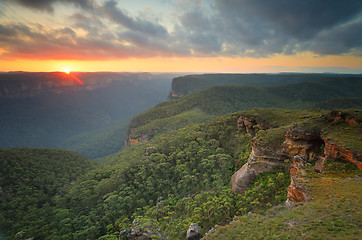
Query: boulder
{"points": [[241, 180], [193, 232], [141, 230]]}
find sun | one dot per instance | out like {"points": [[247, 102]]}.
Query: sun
{"points": [[67, 70]]}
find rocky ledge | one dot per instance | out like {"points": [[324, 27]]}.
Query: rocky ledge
{"points": [[302, 143]]}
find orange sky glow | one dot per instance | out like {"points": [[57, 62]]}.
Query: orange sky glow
{"points": [[179, 36], [278, 63]]}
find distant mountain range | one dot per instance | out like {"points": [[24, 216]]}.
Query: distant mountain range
{"points": [[89, 112], [45, 109], [184, 85]]}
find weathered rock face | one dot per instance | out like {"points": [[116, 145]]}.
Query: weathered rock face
{"points": [[193, 232], [264, 157], [302, 143], [299, 141], [296, 190], [332, 150], [242, 179]]}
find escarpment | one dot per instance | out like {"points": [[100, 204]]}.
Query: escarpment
{"points": [[294, 145]]}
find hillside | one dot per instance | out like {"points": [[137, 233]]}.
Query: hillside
{"points": [[332, 212], [187, 162], [183, 176], [182, 86], [50, 110], [30, 180], [219, 100]]}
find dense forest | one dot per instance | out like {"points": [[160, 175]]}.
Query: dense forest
{"points": [[184, 85], [178, 166]]}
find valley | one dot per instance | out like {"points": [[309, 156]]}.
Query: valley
{"points": [[265, 160]]}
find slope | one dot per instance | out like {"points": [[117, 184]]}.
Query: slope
{"points": [[333, 212], [99, 143], [219, 100], [176, 178], [30, 179]]}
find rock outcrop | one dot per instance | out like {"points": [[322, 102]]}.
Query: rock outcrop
{"points": [[302, 143], [251, 125], [296, 190], [132, 141], [141, 231], [348, 118], [333, 151], [242, 179], [193, 232]]}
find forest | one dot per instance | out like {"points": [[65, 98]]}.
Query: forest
{"points": [[177, 167]]}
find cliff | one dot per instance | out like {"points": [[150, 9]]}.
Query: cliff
{"points": [[293, 146]]}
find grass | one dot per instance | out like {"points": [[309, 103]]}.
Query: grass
{"points": [[347, 136], [333, 211], [163, 125], [281, 117]]}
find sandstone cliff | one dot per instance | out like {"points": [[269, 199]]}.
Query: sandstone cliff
{"points": [[292, 146]]}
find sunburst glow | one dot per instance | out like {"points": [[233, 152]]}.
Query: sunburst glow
{"points": [[67, 70]]}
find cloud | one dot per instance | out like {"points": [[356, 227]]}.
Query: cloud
{"points": [[47, 5], [342, 39], [259, 28], [92, 25], [115, 14], [41, 42], [299, 19], [253, 28]]}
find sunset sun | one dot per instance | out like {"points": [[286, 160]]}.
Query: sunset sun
{"points": [[67, 70]]}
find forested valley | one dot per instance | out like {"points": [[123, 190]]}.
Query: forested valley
{"points": [[179, 161]]}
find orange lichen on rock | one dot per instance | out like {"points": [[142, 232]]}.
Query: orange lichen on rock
{"points": [[348, 118], [132, 141], [335, 151], [296, 190], [351, 121]]}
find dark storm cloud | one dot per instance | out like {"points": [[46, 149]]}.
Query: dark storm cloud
{"points": [[283, 26], [300, 19], [256, 28], [260, 28], [339, 40], [47, 5], [196, 33]]}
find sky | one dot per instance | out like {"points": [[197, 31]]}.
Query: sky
{"points": [[181, 35]]}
